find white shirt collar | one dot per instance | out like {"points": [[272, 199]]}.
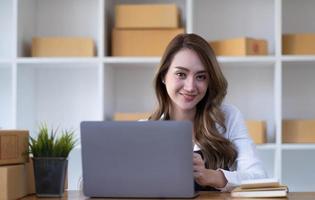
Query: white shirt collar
{"points": [[196, 148]]}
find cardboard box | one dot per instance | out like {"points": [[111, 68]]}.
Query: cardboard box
{"points": [[240, 47], [62, 47], [145, 42], [30, 179], [13, 146], [130, 116], [13, 184], [257, 131], [147, 16], [298, 44], [17, 181], [298, 131]]}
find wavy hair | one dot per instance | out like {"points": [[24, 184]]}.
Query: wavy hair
{"points": [[218, 151]]}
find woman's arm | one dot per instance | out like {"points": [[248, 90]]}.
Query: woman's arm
{"points": [[247, 165]]}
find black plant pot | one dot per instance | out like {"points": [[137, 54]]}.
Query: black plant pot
{"points": [[50, 176]]}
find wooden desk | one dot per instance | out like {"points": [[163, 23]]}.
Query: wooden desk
{"points": [[77, 195]]}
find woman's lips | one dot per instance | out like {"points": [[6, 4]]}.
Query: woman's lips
{"points": [[188, 97]]}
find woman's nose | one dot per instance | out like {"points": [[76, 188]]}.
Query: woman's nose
{"points": [[189, 84]]}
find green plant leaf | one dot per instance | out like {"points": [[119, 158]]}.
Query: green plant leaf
{"points": [[48, 144]]}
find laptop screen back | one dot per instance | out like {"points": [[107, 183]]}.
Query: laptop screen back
{"points": [[137, 159]]}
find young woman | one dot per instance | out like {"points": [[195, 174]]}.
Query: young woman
{"points": [[190, 85]]}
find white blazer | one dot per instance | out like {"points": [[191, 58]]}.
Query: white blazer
{"points": [[247, 165]]}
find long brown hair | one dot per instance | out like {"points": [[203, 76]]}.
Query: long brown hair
{"points": [[218, 151]]}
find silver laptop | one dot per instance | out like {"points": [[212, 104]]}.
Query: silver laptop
{"points": [[149, 159]]}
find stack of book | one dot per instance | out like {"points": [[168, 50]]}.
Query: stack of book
{"points": [[260, 188], [16, 172]]}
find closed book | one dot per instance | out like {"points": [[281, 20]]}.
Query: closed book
{"points": [[260, 188], [260, 192]]}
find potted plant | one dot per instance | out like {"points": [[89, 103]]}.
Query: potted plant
{"points": [[49, 155]]}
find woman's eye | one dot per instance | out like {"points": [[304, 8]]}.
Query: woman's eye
{"points": [[181, 75], [201, 77]]}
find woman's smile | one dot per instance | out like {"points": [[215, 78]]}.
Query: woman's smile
{"points": [[188, 97]]}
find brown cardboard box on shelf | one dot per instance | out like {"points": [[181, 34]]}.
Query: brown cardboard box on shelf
{"points": [[13, 146], [146, 16], [13, 184], [298, 131], [130, 116], [257, 131], [62, 47], [141, 42], [298, 44], [239, 47]]}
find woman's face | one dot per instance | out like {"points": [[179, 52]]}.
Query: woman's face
{"points": [[186, 80]]}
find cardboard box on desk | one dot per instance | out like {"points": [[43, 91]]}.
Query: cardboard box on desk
{"points": [[30, 180], [130, 116], [13, 184], [240, 47], [298, 131], [13, 146], [257, 131], [298, 44], [17, 181], [62, 47], [147, 16], [141, 42]]}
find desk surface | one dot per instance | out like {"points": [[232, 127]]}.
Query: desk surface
{"points": [[77, 195]]}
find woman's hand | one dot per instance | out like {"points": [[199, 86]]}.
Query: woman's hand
{"points": [[207, 177]]}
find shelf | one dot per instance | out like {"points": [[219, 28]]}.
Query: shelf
{"points": [[298, 16], [131, 60], [56, 60], [58, 95], [6, 96], [237, 19], [132, 80], [75, 18], [298, 90], [304, 58], [6, 24], [298, 146], [297, 169], [252, 61], [268, 146], [4, 61], [246, 59]]}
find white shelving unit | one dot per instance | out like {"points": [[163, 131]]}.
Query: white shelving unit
{"points": [[65, 91]]}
